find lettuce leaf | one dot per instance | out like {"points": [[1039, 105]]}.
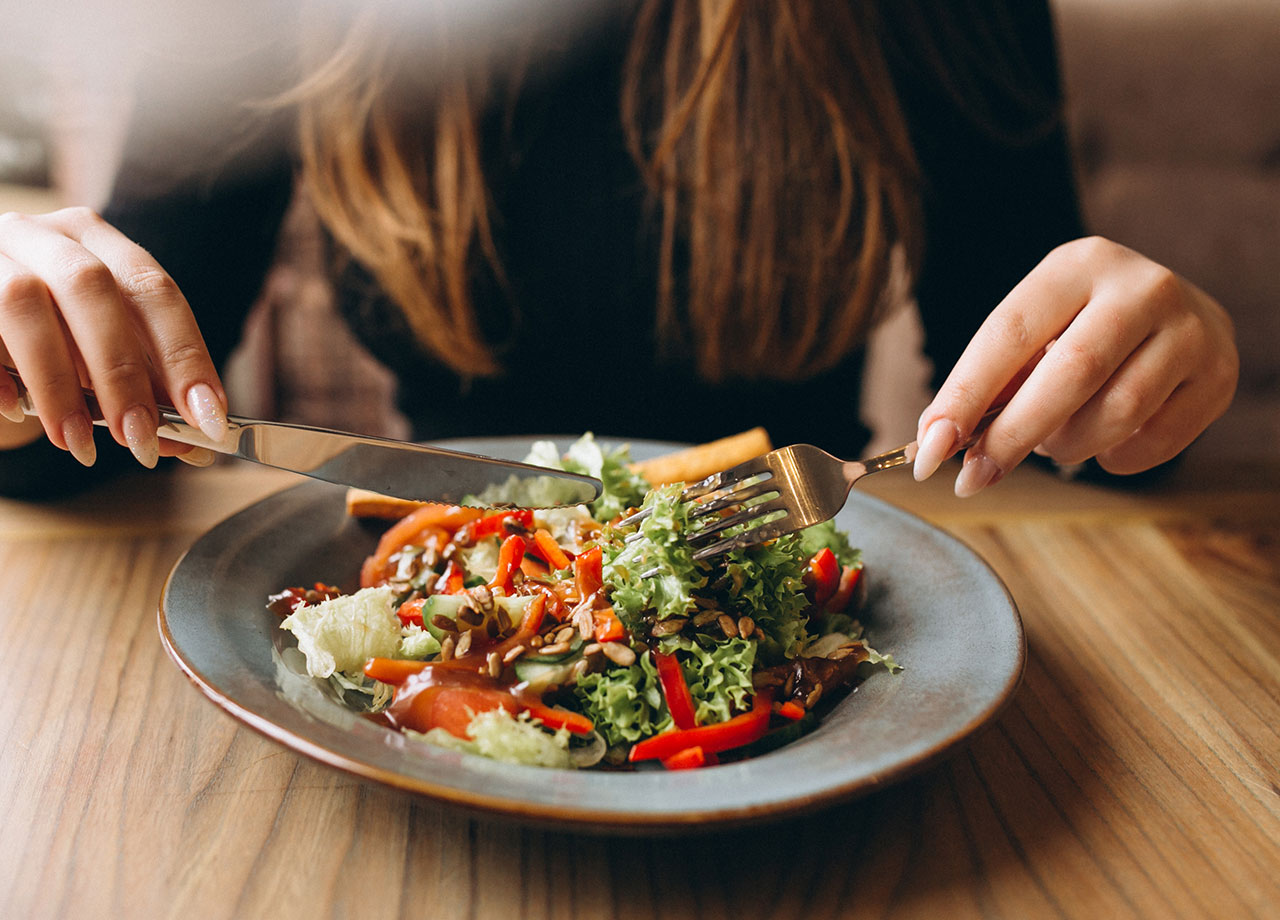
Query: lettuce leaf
{"points": [[623, 489], [815, 538], [659, 545], [626, 704], [766, 583], [342, 633], [498, 735], [718, 676]]}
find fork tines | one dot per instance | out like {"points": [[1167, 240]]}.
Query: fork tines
{"points": [[748, 488]]}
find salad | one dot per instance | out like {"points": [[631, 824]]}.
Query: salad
{"points": [[565, 638]]}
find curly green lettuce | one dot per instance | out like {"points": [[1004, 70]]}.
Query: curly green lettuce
{"points": [[658, 546]]}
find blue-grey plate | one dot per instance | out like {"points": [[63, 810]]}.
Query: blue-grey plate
{"points": [[932, 603]]}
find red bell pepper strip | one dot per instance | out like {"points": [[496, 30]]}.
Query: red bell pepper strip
{"points": [[722, 736], [823, 576], [556, 719], [844, 593], [588, 572], [509, 556], [607, 628], [531, 622], [547, 547], [494, 524], [392, 670], [676, 690], [410, 612], [791, 710], [452, 581], [688, 759], [440, 521]]}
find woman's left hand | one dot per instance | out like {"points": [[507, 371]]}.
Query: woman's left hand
{"points": [[1098, 352]]}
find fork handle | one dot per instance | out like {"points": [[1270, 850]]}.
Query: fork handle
{"points": [[899, 456]]}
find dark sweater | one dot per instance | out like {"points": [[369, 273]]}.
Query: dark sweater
{"points": [[578, 247]]}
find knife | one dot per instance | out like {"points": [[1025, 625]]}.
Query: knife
{"points": [[397, 468]]}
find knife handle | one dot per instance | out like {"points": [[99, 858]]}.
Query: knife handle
{"points": [[172, 427]]}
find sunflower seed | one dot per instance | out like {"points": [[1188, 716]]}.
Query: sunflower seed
{"points": [[494, 661], [668, 627], [746, 626], [512, 654], [464, 645], [440, 621], [564, 634], [814, 695], [556, 648], [618, 653], [727, 625], [446, 648], [703, 617]]}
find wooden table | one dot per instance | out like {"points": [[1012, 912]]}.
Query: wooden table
{"points": [[1136, 773]]}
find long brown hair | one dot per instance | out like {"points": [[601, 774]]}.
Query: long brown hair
{"points": [[769, 133]]}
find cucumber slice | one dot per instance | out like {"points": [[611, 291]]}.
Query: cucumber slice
{"points": [[449, 605]]}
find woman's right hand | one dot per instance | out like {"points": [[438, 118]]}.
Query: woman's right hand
{"points": [[81, 304]]}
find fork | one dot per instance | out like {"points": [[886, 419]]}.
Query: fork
{"points": [[780, 492]]}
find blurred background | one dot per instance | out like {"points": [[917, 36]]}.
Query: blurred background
{"points": [[1174, 110]]}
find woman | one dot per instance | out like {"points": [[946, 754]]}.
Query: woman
{"points": [[680, 228]]}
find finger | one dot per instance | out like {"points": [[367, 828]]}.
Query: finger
{"points": [[1168, 432], [1135, 392], [180, 358], [1084, 358], [90, 305], [9, 407], [38, 347], [1034, 313]]}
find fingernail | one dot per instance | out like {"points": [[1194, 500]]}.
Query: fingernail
{"points": [[198, 456], [208, 413], [938, 439], [140, 436], [77, 432], [978, 472], [10, 408], [1040, 450]]}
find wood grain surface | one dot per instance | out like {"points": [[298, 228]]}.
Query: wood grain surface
{"points": [[1136, 773]]}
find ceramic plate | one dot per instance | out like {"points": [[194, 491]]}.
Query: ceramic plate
{"points": [[932, 603]]}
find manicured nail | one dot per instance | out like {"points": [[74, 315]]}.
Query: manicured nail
{"points": [[1040, 451], [77, 431], [198, 456], [978, 472], [938, 440], [209, 416], [10, 408], [140, 436]]}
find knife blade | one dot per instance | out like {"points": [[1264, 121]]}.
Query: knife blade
{"points": [[397, 468]]}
